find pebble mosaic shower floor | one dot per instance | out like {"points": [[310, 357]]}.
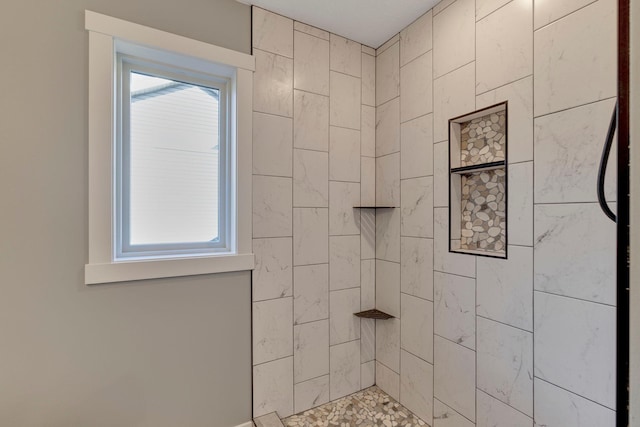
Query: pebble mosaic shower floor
{"points": [[369, 407]]}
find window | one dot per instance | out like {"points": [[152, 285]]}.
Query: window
{"points": [[169, 154]]}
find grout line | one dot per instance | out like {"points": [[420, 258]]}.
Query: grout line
{"points": [[453, 274], [572, 392], [494, 11], [548, 24], [502, 86], [550, 113], [493, 397], [573, 298], [502, 323], [454, 70], [274, 360], [415, 355], [453, 342]]}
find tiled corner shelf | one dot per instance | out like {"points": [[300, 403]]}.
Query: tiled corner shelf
{"points": [[478, 182], [374, 314]]}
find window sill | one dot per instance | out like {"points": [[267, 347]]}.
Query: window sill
{"points": [[161, 268]]}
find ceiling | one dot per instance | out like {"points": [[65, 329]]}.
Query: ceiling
{"points": [[370, 22]]}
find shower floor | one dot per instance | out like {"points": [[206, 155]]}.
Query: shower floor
{"points": [[369, 407]]}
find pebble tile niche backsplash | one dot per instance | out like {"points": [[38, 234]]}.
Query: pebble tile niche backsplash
{"points": [[482, 139]]}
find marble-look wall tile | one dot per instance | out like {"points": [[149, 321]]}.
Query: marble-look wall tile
{"points": [[345, 369], [546, 12], [368, 79], [343, 218], [388, 180], [568, 146], [310, 236], [586, 238], [575, 346], [555, 407], [272, 202], [388, 74], [416, 147], [311, 121], [367, 340], [312, 31], [417, 207], [344, 154], [389, 43], [367, 374], [368, 131], [416, 333], [417, 267], [310, 179], [345, 56], [416, 89], [272, 33], [272, 276], [273, 84], [311, 293], [455, 376], [505, 364], [344, 100], [416, 386], [575, 59], [312, 393], [368, 181], [273, 388], [520, 204], [454, 31], [388, 127], [388, 380], [388, 287], [494, 413], [272, 145], [343, 324], [368, 50], [272, 334], [504, 46], [416, 39], [344, 262], [453, 95], [388, 343], [367, 233], [441, 174], [368, 284], [455, 308], [442, 5], [486, 7], [443, 416], [505, 288], [310, 350], [311, 64], [443, 260]]}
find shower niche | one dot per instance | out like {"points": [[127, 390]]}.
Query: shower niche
{"points": [[478, 166]]}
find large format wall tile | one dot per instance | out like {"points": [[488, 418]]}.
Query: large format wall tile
{"points": [[388, 380], [455, 308], [388, 287], [310, 350], [416, 147], [416, 88], [494, 413], [311, 64], [455, 376], [368, 131], [453, 95], [312, 393], [388, 343], [368, 79], [388, 74], [273, 388], [311, 121], [273, 273], [367, 374], [417, 267], [310, 179], [345, 55], [416, 386], [310, 236], [416, 39], [520, 204], [272, 203], [388, 180], [416, 333], [311, 293], [343, 218], [345, 369], [368, 233], [454, 37], [344, 325], [388, 127], [344, 100], [272, 322], [443, 416], [367, 340], [344, 262], [272, 33], [443, 260], [344, 154], [417, 207], [368, 284], [485, 7], [368, 182], [273, 84], [549, 11], [441, 174], [272, 145]]}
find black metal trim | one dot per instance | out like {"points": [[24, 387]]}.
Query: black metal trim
{"points": [[479, 167], [374, 207]]}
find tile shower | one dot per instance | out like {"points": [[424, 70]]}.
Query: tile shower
{"points": [[475, 341]]}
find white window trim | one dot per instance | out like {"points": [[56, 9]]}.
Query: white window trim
{"points": [[107, 35]]}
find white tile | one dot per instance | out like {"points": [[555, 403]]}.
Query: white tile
{"points": [[549, 11], [388, 287], [344, 262], [388, 180], [443, 260], [455, 376], [273, 84], [520, 111], [272, 333], [441, 174], [311, 121], [312, 31], [454, 39], [575, 59], [368, 374], [442, 5], [388, 344], [311, 350], [485, 7], [416, 89], [343, 324], [368, 131], [455, 308], [567, 158], [345, 55], [344, 104], [272, 145], [368, 79], [416, 39], [506, 38], [367, 284], [453, 95], [368, 50], [575, 346], [367, 340], [368, 181], [520, 204], [312, 393], [575, 252], [311, 64], [416, 147], [505, 364], [272, 201], [344, 154], [268, 420], [389, 43], [310, 293], [417, 207], [345, 369], [556, 407], [273, 273], [388, 235], [388, 127], [310, 179], [310, 236], [417, 267], [343, 218], [388, 380], [493, 413], [416, 333], [367, 233], [505, 288], [416, 386], [443, 416], [388, 74], [273, 388], [272, 32]]}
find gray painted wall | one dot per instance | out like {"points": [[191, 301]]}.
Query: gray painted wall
{"points": [[172, 352]]}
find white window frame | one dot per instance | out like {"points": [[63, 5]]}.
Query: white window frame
{"points": [[109, 37]]}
